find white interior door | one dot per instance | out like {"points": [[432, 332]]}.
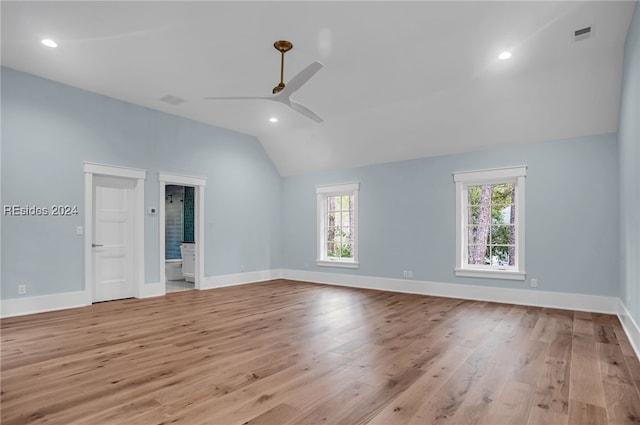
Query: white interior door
{"points": [[113, 238]]}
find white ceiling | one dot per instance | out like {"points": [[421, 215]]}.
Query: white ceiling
{"points": [[401, 80]]}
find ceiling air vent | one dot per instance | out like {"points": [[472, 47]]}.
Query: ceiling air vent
{"points": [[171, 99], [583, 33]]}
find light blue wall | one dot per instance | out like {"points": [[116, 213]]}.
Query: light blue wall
{"points": [[256, 220], [49, 129], [629, 146], [407, 213]]}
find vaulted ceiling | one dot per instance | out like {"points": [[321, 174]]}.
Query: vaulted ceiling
{"points": [[401, 80]]}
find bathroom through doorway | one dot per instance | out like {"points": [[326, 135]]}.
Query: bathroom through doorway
{"points": [[179, 233]]}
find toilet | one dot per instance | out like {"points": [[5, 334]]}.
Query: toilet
{"points": [[173, 269]]}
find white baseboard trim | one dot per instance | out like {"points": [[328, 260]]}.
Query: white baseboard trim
{"points": [[630, 327], [561, 300], [149, 290], [224, 280], [42, 303]]}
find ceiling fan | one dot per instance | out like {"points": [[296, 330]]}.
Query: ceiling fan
{"points": [[282, 92]]}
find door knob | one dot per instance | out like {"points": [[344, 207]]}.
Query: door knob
{"points": [[94, 245]]}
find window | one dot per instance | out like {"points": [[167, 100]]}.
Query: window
{"points": [[338, 225], [490, 223]]}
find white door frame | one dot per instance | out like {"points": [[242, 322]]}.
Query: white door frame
{"points": [[138, 176], [198, 183]]}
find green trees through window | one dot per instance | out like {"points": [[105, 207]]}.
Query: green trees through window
{"points": [[491, 224], [340, 221]]}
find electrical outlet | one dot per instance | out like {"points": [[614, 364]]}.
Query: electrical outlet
{"points": [[22, 289], [407, 274], [79, 230], [534, 283]]}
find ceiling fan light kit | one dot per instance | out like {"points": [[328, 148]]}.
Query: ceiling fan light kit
{"points": [[282, 91]]}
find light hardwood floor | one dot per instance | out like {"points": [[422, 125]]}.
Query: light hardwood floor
{"points": [[285, 352]]}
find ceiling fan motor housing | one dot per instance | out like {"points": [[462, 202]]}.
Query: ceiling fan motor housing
{"points": [[278, 88]]}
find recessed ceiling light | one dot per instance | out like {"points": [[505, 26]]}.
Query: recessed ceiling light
{"points": [[49, 43], [504, 55], [273, 119]]}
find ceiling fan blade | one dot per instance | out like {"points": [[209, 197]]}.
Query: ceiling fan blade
{"points": [[305, 111], [237, 97], [301, 77], [283, 92]]}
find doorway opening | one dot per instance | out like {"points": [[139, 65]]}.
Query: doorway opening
{"points": [[181, 232], [179, 243]]}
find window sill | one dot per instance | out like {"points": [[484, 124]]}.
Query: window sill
{"points": [[491, 274], [337, 263]]}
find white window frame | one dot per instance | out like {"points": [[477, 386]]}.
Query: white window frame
{"points": [[463, 180], [322, 193]]}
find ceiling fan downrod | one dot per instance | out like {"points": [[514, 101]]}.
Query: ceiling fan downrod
{"points": [[283, 46]]}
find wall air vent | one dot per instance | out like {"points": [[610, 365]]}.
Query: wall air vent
{"points": [[583, 33], [171, 99]]}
